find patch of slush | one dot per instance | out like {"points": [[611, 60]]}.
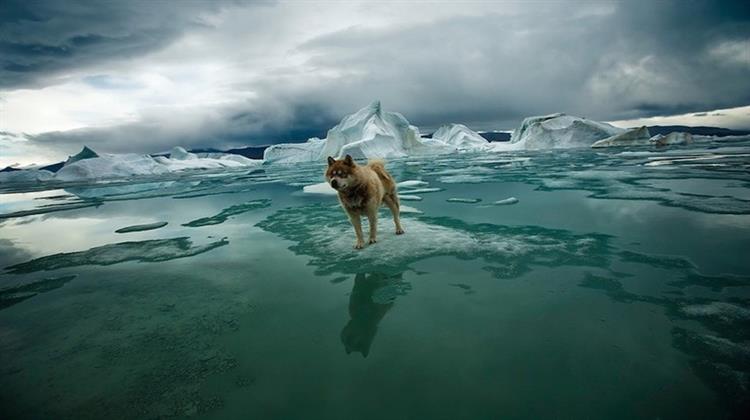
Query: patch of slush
{"points": [[17, 294], [722, 310], [229, 212], [141, 228], [155, 250], [319, 232], [506, 201], [403, 197], [464, 200]]}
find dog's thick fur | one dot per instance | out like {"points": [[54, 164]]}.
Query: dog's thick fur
{"points": [[362, 190]]}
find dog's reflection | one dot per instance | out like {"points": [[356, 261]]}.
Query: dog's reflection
{"points": [[372, 296]]}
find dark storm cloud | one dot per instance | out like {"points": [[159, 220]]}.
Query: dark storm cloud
{"points": [[228, 128], [602, 60], [42, 39], [643, 59]]}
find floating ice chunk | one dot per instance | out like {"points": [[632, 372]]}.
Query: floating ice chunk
{"points": [[633, 137], [323, 188], [464, 200], [141, 228], [421, 190], [412, 183], [558, 131], [409, 197], [507, 251], [461, 137], [507, 201], [409, 209]]}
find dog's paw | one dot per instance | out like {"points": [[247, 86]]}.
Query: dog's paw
{"points": [[399, 231], [372, 241], [359, 245]]}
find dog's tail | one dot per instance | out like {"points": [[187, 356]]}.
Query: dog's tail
{"points": [[378, 166]]}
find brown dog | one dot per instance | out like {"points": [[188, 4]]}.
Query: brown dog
{"points": [[362, 190]]}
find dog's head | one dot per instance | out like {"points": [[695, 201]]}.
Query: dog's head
{"points": [[340, 173]]}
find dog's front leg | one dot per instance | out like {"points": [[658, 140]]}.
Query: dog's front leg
{"points": [[372, 217], [357, 223]]}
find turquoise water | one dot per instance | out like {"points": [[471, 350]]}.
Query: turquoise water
{"points": [[615, 286]]}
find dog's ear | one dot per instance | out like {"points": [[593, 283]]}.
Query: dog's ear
{"points": [[331, 161], [348, 160]]}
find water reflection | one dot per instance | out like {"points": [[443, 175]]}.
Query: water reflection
{"points": [[372, 297]]}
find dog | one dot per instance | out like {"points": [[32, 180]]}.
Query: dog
{"points": [[362, 190]]}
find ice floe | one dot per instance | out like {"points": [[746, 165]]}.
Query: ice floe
{"points": [[406, 197], [507, 201], [464, 200], [322, 188], [141, 228]]}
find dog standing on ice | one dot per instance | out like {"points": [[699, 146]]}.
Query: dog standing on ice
{"points": [[362, 190]]}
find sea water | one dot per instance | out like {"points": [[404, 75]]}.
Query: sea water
{"points": [[551, 284]]}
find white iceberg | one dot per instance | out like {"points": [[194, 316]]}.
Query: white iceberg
{"points": [[461, 137], [180, 160], [28, 175], [106, 166], [557, 131], [366, 134], [632, 137], [294, 152], [673, 138], [87, 165]]}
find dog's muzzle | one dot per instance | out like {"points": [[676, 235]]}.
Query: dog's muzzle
{"points": [[335, 184]]}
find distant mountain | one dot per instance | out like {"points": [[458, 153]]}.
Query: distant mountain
{"points": [[698, 131]]}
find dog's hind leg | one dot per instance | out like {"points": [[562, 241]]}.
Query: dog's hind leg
{"points": [[357, 223], [391, 200], [372, 217]]}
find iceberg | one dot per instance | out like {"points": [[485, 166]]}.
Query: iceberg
{"points": [[673, 138], [110, 166], [632, 137], [294, 152], [558, 131], [90, 165], [27, 175], [180, 160], [461, 137], [366, 134], [372, 133]]}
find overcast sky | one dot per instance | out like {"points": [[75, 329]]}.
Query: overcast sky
{"points": [[143, 76]]}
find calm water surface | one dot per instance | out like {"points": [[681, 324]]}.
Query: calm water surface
{"points": [[616, 287]]}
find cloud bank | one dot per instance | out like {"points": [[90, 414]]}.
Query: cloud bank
{"points": [[144, 76]]}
